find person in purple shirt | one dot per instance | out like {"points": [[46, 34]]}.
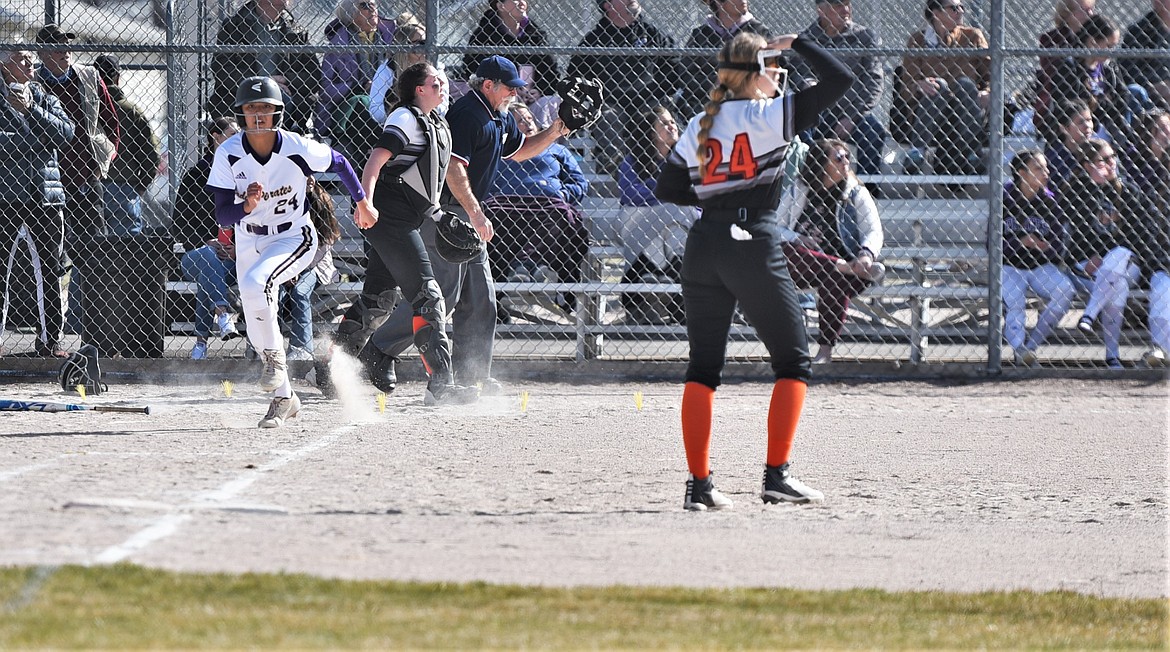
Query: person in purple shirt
{"points": [[652, 233]]}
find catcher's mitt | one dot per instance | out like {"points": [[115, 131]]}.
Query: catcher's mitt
{"points": [[581, 102], [457, 241]]}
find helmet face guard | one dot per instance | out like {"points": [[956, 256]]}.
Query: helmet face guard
{"points": [[259, 90], [277, 114]]}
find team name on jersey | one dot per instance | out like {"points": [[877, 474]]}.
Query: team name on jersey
{"points": [[265, 196]]}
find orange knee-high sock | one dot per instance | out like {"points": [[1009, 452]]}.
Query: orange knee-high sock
{"points": [[697, 406], [783, 416], [420, 323]]}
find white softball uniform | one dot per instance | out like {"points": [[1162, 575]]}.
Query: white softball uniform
{"points": [[277, 240]]}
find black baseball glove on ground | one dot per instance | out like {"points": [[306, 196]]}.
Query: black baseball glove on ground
{"points": [[581, 102], [457, 242]]}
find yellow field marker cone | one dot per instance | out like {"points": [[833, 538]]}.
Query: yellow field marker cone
{"points": [[381, 402], [227, 388], [638, 400], [81, 390], [524, 401]]}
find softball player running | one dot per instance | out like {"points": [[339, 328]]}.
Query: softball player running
{"points": [[730, 162], [258, 179]]}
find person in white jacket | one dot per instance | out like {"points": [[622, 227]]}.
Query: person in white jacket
{"points": [[833, 237]]}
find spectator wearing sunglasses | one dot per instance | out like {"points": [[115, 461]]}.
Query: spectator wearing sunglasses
{"points": [[346, 76], [852, 118], [1107, 221], [946, 95], [833, 236]]}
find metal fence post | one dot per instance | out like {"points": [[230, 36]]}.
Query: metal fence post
{"points": [[995, 190]]}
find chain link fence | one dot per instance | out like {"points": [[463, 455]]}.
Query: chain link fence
{"points": [[586, 260]]}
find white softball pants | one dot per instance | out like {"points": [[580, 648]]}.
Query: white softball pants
{"points": [[263, 263], [1111, 284], [1160, 310], [1051, 284]]}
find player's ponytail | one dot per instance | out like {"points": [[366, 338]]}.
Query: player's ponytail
{"points": [[322, 211], [710, 110]]}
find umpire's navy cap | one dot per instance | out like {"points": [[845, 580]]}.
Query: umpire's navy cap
{"points": [[54, 34], [499, 69]]}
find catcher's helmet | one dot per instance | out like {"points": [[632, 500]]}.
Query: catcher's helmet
{"points": [[81, 368], [259, 90], [456, 241]]}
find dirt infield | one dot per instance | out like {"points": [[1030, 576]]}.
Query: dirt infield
{"points": [[1040, 484]]}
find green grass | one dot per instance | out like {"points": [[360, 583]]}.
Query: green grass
{"points": [[127, 606]]}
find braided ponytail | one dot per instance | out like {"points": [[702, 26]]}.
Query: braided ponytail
{"points": [[710, 110]]}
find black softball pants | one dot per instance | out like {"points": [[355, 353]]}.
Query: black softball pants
{"points": [[718, 270]]}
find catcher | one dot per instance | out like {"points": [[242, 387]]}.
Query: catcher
{"points": [[482, 133], [410, 159]]}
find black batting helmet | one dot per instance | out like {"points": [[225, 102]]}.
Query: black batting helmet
{"points": [[261, 90], [81, 368]]}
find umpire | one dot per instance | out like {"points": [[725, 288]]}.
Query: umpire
{"points": [[483, 133], [33, 129]]}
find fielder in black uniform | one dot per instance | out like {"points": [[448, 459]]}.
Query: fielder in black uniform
{"points": [[410, 159], [730, 162]]}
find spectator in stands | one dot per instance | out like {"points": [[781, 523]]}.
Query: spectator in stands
{"points": [[851, 119], [1151, 32], [506, 23], [1150, 163], [727, 18], [136, 165], [86, 161], [346, 77], [34, 128], [1098, 80], [633, 82], [267, 23], [1033, 249], [1074, 126], [540, 232], [652, 233], [209, 258], [1107, 219], [554, 172], [1151, 175], [1067, 19], [382, 95], [946, 95], [832, 236]]}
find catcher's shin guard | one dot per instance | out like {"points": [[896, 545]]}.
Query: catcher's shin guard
{"points": [[352, 335], [430, 336]]}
